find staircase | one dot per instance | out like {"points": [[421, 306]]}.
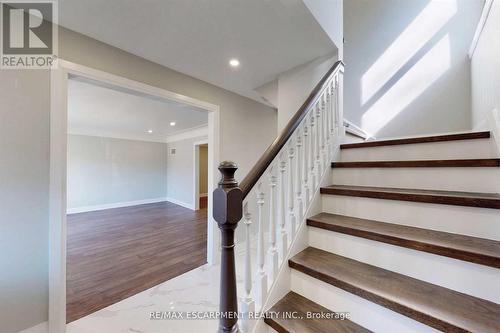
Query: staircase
{"points": [[394, 236], [408, 240]]}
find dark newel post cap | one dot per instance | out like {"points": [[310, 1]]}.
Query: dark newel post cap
{"points": [[228, 197], [227, 170]]}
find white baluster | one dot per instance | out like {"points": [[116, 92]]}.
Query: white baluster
{"points": [[298, 177], [334, 110], [319, 118], [323, 129], [329, 107], [262, 277], [291, 210], [306, 162], [340, 88], [282, 211], [273, 251], [334, 104], [331, 123], [338, 122], [247, 303], [329, 138], [317, 145], [312, 151]]}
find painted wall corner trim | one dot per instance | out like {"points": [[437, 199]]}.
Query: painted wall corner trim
{"points": [[494, 120], [181, 203], [480, 26], [93, 208], [40, 328]]}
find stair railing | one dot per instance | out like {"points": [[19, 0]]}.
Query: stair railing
{"points": [[302, 150]]}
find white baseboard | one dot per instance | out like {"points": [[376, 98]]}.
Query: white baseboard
{"points": [[40, 328], [115, 205], [356, 130], [181, 203]]}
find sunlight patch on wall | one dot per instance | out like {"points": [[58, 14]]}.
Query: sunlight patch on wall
{"points": [[420, 77], [432, 18]]}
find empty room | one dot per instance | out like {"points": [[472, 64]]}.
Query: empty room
{"points": [[131, 191]]}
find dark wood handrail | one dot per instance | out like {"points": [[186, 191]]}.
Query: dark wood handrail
{"points": [[228, 206], [273, 150]]}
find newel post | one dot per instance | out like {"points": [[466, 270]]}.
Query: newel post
{"points": [[228, 210]]}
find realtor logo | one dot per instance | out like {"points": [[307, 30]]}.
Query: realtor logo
{"points": [[28, 34]]}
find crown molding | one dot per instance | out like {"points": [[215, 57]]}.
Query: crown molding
{"points": [[194, 132], [189, 133]]}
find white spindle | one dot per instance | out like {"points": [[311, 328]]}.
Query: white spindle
{"points": [[262, 278], [247, 303], [320, 133], [273, 251], [298, 177], [323, 129], [340, 89], [306, 162], [338, 121], [329, 122], [331, 118], [281, 209], [312, 151], [334, 104], [291, 210], [329, 108], [317, 145]]}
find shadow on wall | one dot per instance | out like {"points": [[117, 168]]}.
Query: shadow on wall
{"points": [[407, 66]]}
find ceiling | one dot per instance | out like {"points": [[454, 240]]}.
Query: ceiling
{"points": [[105, 111], [199, 37]]}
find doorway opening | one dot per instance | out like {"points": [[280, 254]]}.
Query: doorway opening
{"points": [[201, 175], [109, 189]]}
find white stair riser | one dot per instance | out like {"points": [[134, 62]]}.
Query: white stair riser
{"points": [[362, 312], [476, 280], [481, 148], [471, 221], [486, 180]]}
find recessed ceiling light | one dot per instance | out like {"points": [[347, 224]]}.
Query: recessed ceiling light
{"points": [[150, 131], [234, 62], [172, 123]]}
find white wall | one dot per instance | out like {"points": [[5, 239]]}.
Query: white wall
{"points": [[486, 69], [180, 172], [295, 85], [103, 171], [24, 198], [329, 14], [24, 171], [240, 117], [407, 70], [292, 87]]}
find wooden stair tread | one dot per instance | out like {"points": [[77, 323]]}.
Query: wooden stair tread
{"points": [[467, 248], [422, 139], [472, 199], [435, 306], [294, 302], [471, 163]]}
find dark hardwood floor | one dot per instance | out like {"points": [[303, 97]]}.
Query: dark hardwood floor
{"points": [[116, 253]]}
